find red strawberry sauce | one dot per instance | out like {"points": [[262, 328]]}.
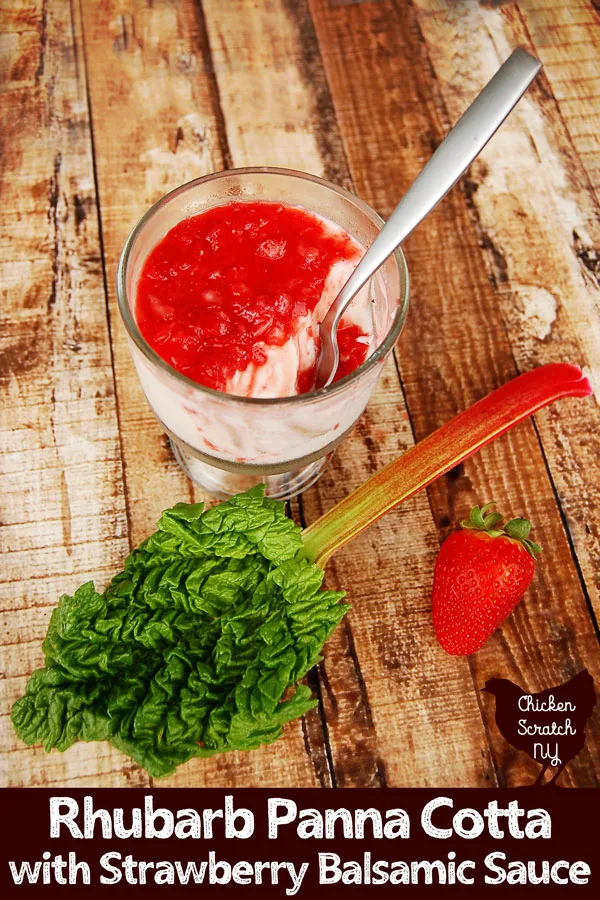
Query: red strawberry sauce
{"points": [[222, 286]]}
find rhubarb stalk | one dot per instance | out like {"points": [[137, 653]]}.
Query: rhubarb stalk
{"points": [[436, 454]]}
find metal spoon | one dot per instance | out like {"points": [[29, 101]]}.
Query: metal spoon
{"points": [[456, 152]]}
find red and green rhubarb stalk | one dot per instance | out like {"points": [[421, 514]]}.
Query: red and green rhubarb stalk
{"points": [[441, 451]]}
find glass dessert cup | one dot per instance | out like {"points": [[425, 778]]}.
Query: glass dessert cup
{"points": [[228, 443]]}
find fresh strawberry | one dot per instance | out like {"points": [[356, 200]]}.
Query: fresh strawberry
{"points": [[480, 575]]}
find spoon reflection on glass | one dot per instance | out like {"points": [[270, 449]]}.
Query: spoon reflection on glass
{"points": [[456, 152]]}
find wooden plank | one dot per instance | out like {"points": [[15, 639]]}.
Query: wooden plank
{"points": [[567, 40], [394, 709], [543, 209], [63, 514], [390, 693], [457, 346], [159, 63], [272, 88], [277, 111], [538, 223], [155, 127]]}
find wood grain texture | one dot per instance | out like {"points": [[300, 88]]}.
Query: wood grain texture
{"points": [[155, 126], [160, 64], [107, 105], [456, 345], [538, 226], [268, 69], [63, 512], [537, 222], [566, 38]]}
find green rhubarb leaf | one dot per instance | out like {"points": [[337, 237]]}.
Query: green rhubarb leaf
{"points": [[195, 648]]}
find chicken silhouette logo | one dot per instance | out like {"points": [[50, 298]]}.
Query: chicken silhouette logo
{"points": [[550, 725]]}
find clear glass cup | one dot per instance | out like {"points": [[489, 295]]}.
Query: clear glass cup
{"points": [[227, 443]]}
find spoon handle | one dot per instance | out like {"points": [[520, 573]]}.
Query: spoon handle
{"points": [[456, 152]]}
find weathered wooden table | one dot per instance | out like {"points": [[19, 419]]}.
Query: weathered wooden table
{"points": [[106, 106]]}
